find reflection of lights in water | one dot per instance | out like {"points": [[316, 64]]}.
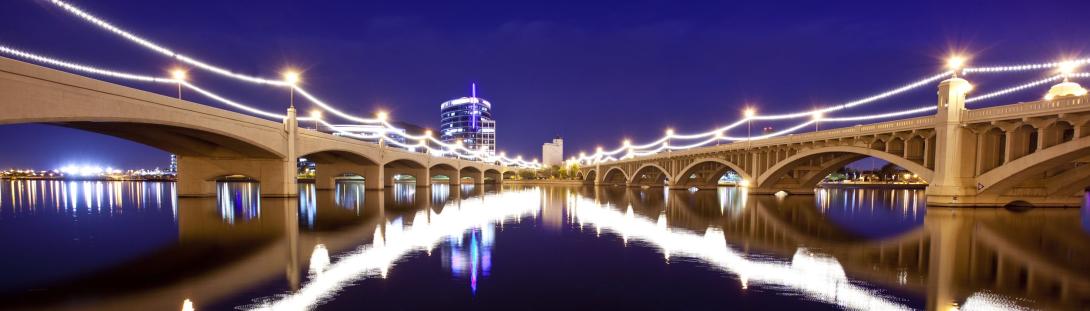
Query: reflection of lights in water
{"points": [[308, 204], [815, 275], [439, 193], [83, 197], [187, 305], [404, 193], [238, 201], [473, 260], [349, 195], [732, 200], [319, 260], [989, 301], [427, 230]]}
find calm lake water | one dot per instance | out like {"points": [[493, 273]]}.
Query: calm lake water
{"points": [[79, 245]]}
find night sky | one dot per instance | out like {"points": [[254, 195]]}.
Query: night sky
{"points": [[592, 72]]}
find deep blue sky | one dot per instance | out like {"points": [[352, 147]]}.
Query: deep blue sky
{"points": [[591, 72]]}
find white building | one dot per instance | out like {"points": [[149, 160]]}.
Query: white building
{"points": [[553, 153]]}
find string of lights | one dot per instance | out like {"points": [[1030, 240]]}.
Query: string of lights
{"points": [[289, 81], [632, 150], [79, 67], [1025, 67], [452, 148], [716, 135]]}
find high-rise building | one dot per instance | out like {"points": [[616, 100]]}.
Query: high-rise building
{"points": [[553, 153], [469, 120], [173, 163]]}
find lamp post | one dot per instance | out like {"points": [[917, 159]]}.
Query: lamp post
{"points": [[316, 115], [426, 141], [749, 113], [179, 76], [817, 120], [292, 78], [381, 116], [666, 144]]}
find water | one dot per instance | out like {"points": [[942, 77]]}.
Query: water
{"points": [[134, 246]]}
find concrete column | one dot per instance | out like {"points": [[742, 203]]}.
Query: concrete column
{"points": [[927, 153], [479, 179], [423, 177], [291, 160], [955, 147], [373, 177], [1043, 138]]}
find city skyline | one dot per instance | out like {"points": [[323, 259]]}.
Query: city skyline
{"points": [[555, 68]]}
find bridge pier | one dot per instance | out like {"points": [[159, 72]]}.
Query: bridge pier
{"points": [[197, 176], [955, 146]]}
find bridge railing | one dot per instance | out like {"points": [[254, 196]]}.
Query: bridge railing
{"points": [[1020, 110]]}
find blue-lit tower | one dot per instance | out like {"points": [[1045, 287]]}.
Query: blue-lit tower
{"points": [[468, 119]]}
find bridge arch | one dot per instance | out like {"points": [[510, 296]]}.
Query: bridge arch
{"points": [[492, 175], [590, 177], [650, 174], [1053, 171], [825, 160], [472, 172], [332, 164], [445, 170], [615, 176], [708, 171]]}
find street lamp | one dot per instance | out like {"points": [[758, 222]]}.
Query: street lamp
{"points": [[817, 120], [749, 114], [955, 62], [316, 115], [179, 76], [1067, 68], [669, 133], [292, 78]]}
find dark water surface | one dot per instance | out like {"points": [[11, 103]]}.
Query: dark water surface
{"points": [[78, 245]]}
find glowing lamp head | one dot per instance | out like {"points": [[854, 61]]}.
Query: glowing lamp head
{"points": [[599, 149], [291, 77], [669, 132], [316, 114], [503, 153], [955, 62], [750, 112], [382, 115], [1068, 67], [518, 157], [427, 133], [582, 154], [626, 143], [458, 142], [178, 74], [818, 115]]}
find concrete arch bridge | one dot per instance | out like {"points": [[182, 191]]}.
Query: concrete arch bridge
{"points": [[212, 143], [1026, 153]]}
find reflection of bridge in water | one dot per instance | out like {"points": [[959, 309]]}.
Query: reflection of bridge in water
{"points": [[222, 251], [951, 256], [954, 256]]}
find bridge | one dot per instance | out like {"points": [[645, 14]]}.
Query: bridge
{"points": [[213, 144], [1025, 153]]}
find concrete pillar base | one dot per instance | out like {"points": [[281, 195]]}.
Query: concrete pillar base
{"points": [[197, 176]]}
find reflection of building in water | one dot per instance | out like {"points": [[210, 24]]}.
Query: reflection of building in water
{"points": [[470, 255], [552, 206], [238, 201]]}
